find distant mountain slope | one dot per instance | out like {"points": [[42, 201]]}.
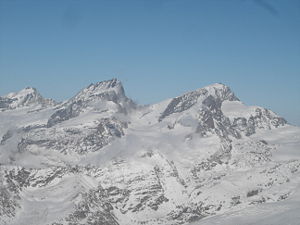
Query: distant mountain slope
{"points": [[99, 158], [24, 98]]}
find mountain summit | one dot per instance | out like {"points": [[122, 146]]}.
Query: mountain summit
{"points": [[26, 97], [212, 96], [111, 87], [98, 158], [107, 97]]}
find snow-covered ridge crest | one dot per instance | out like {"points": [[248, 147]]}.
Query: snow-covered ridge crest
{"points": [[109, 86], [216, 92], [221, 91], [106, 97], [26, 97], [99, 159]]}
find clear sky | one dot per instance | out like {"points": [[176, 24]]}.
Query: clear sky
{"points": [[157, 48]]}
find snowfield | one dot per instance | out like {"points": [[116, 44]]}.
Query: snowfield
{"points": [[100, 159], [275, 213]]}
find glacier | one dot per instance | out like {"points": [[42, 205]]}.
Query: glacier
{"points": [[99, 158]]}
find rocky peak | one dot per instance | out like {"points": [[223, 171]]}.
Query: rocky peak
{"points": [[26, 97], [23, 94], [216, 93], [101, 89], [105, 96], [221, 91]]}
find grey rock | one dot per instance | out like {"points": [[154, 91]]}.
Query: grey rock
{"points": [[31, 97]]}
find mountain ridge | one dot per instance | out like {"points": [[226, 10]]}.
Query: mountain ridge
{"points": [[25, 97], [115, 85], [99, 158]]}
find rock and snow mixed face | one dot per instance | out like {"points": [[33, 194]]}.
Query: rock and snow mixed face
{"points": [[98, 158], [106, 98], [24, 98]]}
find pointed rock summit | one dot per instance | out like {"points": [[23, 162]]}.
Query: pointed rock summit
{"points": [[220, 91], [212, 96], [105, 96], [26, 97], [112, 87]]}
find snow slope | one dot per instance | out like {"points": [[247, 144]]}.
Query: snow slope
{"points": [[282, 212], [98, 158]]}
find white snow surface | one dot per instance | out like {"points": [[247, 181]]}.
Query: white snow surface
{"points": [[274, 213], [174, 162]]}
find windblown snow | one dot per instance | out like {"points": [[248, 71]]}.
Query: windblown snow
{"points": [[100, 159]]}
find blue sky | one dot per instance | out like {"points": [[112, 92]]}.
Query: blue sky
{"points": [[157, 48]]}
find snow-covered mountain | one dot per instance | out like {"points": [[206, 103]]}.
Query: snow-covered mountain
{"points": [[98, 158], [27, 97]]}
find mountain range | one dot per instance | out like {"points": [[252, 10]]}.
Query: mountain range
{"points": [[99, 158]]}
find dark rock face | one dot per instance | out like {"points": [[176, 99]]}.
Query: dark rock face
{"points": [[187, 213], [66, 113], [12, 182], [93, 209], [181, 103], [252, 193], [186, 101], [92, 96], [264, 119], [261, 120], [5, 102], [79, 140], [6, 136], [212, 119]]}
